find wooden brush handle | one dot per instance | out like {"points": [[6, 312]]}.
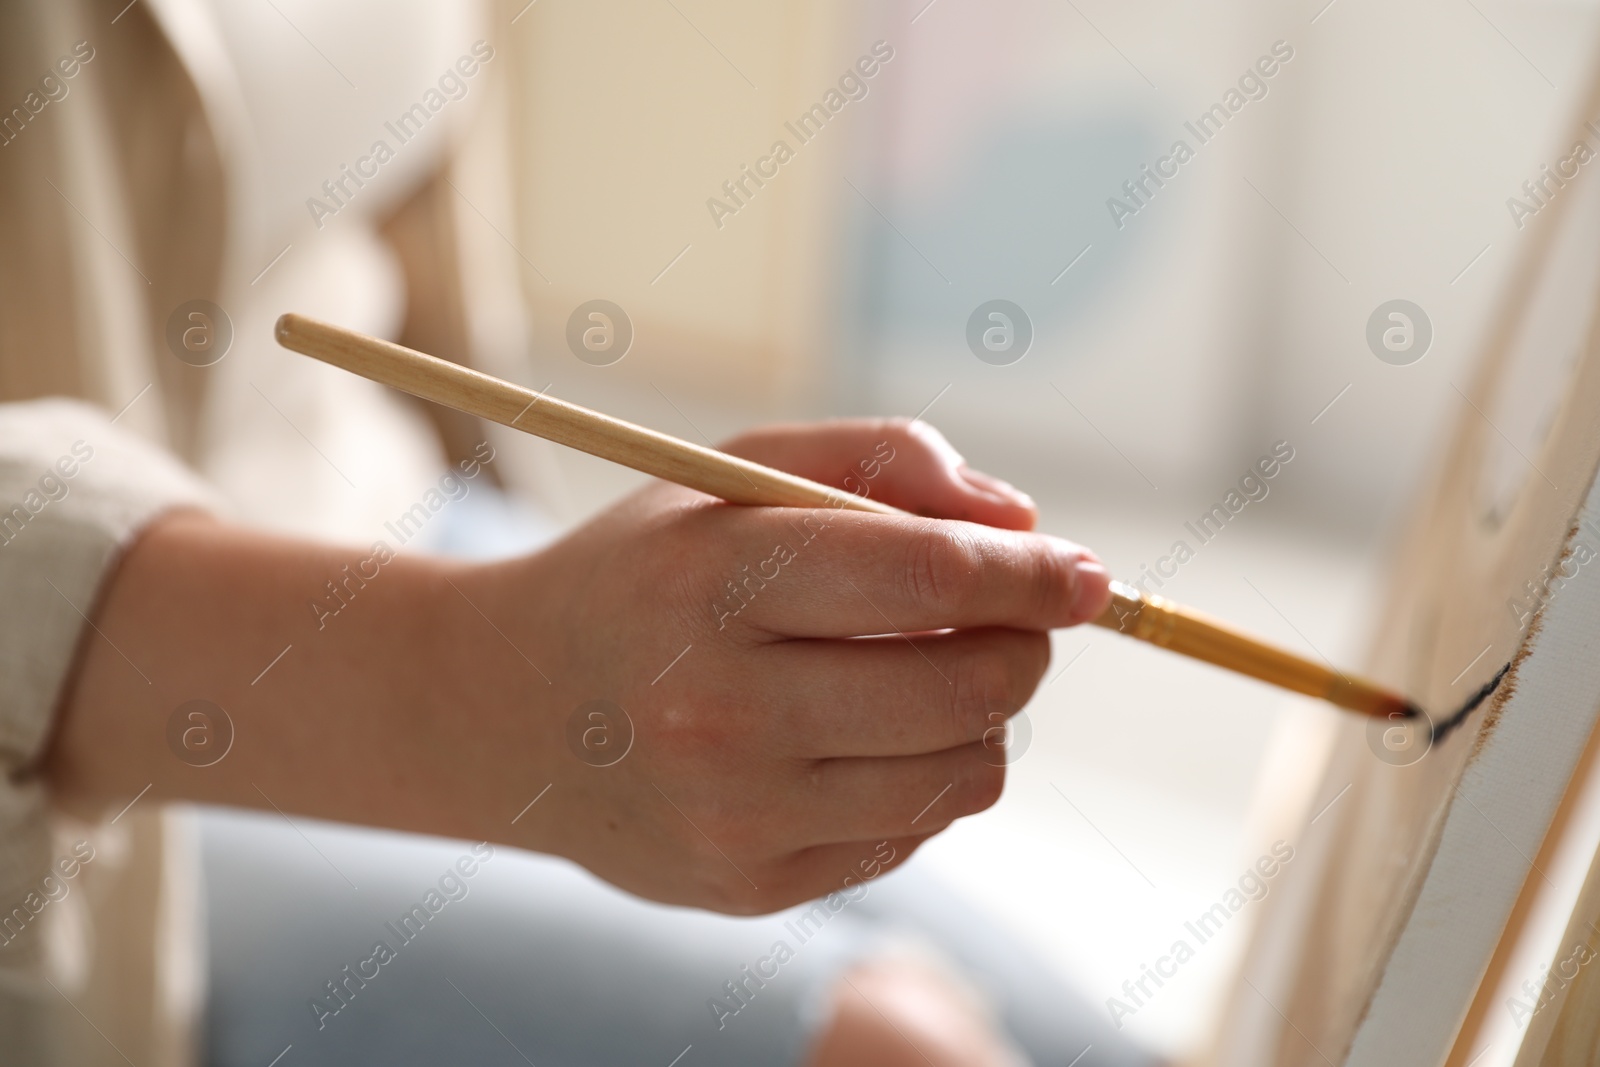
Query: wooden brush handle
{"points": [[730, 478], [1191, 633]]}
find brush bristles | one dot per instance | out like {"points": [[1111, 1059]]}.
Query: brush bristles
{"points": [[1376, 703]]}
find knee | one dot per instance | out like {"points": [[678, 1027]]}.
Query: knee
{"points": [[893, 1013]]}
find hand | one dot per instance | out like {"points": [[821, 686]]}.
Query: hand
{"points": [[809, 691], [800, 686]]}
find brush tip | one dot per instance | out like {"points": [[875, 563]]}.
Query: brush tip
{"points": [[1391, 706]]}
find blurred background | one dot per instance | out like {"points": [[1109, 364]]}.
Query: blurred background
{"points": [[1171, 343]]}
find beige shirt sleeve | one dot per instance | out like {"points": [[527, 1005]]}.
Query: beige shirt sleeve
{"points": [[74, 489]]}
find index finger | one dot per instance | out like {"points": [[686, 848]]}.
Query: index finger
{"points": [[847, 574]]}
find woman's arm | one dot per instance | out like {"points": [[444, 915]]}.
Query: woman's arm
{"points": [[767, 749], [359, 717]]}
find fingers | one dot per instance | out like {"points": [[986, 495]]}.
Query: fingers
{"points": [[889, 696], [901, 462], [891, 796], [829, 876], [835, 573], [847, 868]]}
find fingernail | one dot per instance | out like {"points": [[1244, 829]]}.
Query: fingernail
{"points": [[994, 488], [1091, 589]]}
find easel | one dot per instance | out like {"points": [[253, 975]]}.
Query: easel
{"points": [[1420, 882]]}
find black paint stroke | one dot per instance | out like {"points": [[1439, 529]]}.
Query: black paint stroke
{"points": [[1443, 729]]}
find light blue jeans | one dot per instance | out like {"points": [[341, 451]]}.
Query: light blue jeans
{"points": [[519, 958], [528, 959]]}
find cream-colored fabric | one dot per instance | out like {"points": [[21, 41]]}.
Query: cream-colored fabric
{"points": [[73, 489], [176, 163]]}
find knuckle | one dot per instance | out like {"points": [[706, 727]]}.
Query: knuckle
{"points": [[817, 778], [693, 594], [939, 569], [897, 428], [1051, 576], [921, 433], [682, 733], [983, 692], [916, 437], [681, 577]]}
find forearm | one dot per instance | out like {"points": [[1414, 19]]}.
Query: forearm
{"points": [[374, 714]]}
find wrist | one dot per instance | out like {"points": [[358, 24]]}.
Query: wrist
{"points": [[489, 698]]}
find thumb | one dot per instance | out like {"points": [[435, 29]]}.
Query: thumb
{"points": [[905, 463]]}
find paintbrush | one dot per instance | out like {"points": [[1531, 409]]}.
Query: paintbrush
{"points": [[1149, 618]]}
